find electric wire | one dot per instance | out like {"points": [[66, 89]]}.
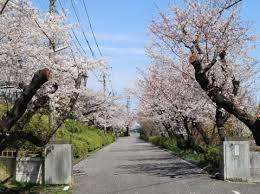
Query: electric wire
{"points": [[73, 33], [83, 32], [91, 28], [77, 40]]}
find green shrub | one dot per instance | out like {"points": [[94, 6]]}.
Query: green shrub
{"points": [[166, 143], [143, 136], [3, 109], [39, 124], [154, 140], [212, 157], [38, 121], [209, 156], [4, 174], [84, 139], [72, 126]]}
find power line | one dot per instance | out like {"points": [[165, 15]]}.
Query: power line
{"points": [[91, 28], [77, 40], [73, 33], [76, 46], [84, 35]]}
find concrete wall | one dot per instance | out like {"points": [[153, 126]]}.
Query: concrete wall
{"points": [[54, 168], [29, 170], [236, 160], [58, 164], [9, 164], [255, 166], [239, 163]]}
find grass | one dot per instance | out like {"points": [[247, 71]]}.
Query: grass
{"points": [[84, 139], [3, 109], [4, 174], [14, 187], [209, 158]]}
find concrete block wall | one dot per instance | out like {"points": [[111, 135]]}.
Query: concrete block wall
{"points": [[9, 164], [236, 160], [54, 168], [58, 164], [255, 166], [239, 163], [29, 170]]}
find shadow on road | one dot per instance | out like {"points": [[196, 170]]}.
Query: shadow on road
{"points": [[153, 161], [170, 169]]}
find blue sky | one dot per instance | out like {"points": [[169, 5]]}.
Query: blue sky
{"points": [[121, 30]]}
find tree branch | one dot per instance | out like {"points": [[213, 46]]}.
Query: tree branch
{"points": [[229, 6], [212, 63], [4, 6], [20, 106], [216, 96]]}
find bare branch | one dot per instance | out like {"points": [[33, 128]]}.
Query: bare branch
{"points": [[229, 6], [212, 63], [4, 6]]}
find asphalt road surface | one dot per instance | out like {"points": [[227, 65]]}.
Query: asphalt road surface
{"points": [[132, 166]]}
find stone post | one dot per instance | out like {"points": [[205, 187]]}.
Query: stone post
{"points": [[58, 164], [236, 160]]}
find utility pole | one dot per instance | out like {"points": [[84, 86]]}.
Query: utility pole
{"points": [[128, 104], [52, 7], [128, 114], [52, 46], [104, 83], [104, 91]]}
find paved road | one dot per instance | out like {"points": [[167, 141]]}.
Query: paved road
{"points": [[131, 166]]}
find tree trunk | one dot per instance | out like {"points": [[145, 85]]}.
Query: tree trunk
{"points": [[190, 141], [127, 131], [12, 116], [36, 138], [216, 96], [203, 134], [167, 128], [221, 119], [20, 106]]}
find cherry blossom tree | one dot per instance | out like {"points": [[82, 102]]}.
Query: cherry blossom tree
{"points": [[37, 57], [173, 103], [211, 37], [101, 110]]}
